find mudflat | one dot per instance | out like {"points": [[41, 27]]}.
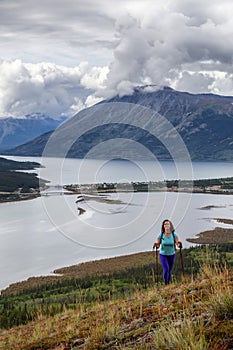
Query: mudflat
{"points": [[216, 236]]}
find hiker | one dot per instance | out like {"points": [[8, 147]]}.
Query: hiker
{"points": [[168, 239]]}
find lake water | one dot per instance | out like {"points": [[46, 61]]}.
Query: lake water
{"points": [[39, 235], [66, 171]]}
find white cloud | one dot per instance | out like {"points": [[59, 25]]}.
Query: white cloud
{"points": [[44, 88], [187, 44], [222, 84], [95, 78], [169, 45], [65, 33], [200, 82]]}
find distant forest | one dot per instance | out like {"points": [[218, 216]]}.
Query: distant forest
{"points": [[11, 180]]}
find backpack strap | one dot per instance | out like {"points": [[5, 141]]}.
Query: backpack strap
{"points": [[173, 238]]}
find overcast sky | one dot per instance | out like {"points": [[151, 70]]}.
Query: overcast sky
{"points": [[58, 56]]}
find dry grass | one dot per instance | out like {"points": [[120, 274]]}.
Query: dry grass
{"points": [[82, 270], [195, 315]]}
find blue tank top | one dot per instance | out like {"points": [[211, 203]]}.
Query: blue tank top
{"points": [[167, 244]]}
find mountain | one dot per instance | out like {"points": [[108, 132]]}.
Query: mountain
{"points": [[161, 121], [16, 131]]}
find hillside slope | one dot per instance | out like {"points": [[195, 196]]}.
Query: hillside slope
{"points": [[203, 121], [195, 313], [16, 131]]}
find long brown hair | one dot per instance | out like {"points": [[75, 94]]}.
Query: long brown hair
{"points": [[171, 226]]}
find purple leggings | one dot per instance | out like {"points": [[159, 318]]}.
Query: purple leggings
{"points": [[167, 262]]}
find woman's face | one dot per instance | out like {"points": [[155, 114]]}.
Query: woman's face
{"points": [[167, 225]]}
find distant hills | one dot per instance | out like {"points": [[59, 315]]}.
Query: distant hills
{"points": [[9, 165], [13, 182], [16, 131], [203, 121]]}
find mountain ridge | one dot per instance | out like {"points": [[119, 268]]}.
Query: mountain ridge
{"points": [[203, 121], [16, 131]]}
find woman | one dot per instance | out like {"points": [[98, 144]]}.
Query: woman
{"points": [[168, 239]]}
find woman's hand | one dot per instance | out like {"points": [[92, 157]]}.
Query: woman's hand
{"points": [[179, 244], [156, 245]]}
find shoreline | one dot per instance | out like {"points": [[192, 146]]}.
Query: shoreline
{"points": [[216, 236], [18, 197], [222, 186], [23, 197]]}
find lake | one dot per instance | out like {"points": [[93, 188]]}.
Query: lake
{"points": [[40, 235]]}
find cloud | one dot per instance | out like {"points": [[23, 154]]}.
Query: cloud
{"points": [[200, 82], [180, 45], [44, 88], [56, 31], [186, 44]]}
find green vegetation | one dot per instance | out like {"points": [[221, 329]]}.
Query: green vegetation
{"points": [[90, 307], [13, 184], [221, 185], [113, 187], [216, 236], [204, 184], [7, 165], [11, 181]]}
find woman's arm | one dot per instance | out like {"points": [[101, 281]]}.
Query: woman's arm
{"points": [[157, 243]]}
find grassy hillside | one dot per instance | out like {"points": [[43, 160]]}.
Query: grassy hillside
{"points": [[116, 304]]}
